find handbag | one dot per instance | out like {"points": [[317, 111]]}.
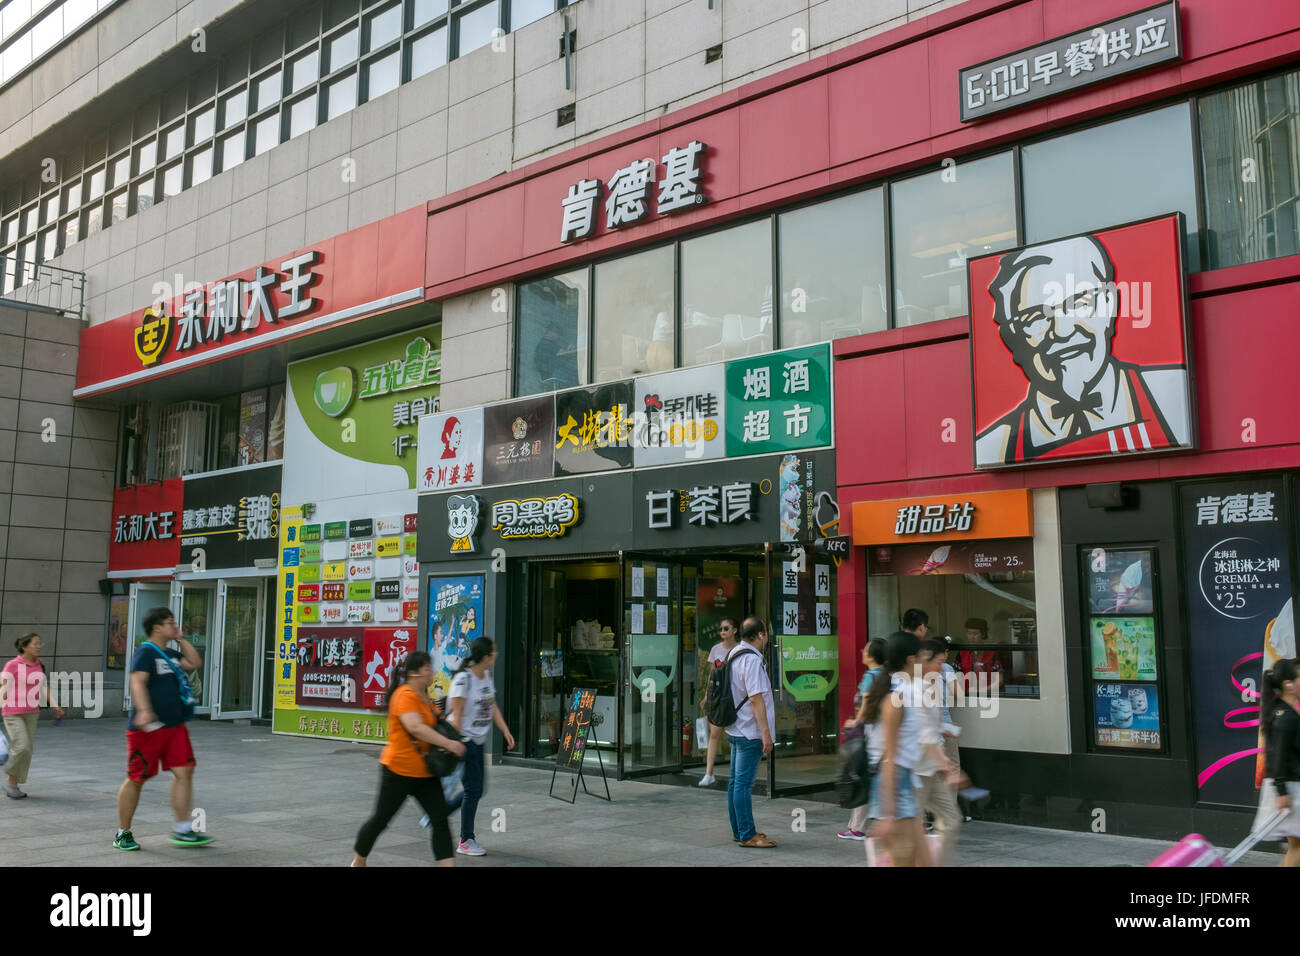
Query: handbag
{"points": [[439, 761]]}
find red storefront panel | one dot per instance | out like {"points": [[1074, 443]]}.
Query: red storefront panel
{"points": [[146, 531]]}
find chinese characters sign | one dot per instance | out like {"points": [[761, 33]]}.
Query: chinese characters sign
{"points": [[1092, 55], [238, 306], [593, 428], [994, 514], [535, 517], [234, 519], [1127, 716], [680, 416], [145, 533], [703, 506], [624, 199], [451, 451], [577, 728], [517, 442], [779, 402]]}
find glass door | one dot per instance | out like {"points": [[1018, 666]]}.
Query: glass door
{"points": [[198, 619], [144, 598], [655, 734], [234, 674]]}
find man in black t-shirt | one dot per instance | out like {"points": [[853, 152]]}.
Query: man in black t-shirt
{"points": [[161, 703]]}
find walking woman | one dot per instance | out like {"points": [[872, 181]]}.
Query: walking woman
{"points": [[22, 685], [727, 630], [473, 703], [895, 748], [1280, 722], [402, 772], [872, 656]]}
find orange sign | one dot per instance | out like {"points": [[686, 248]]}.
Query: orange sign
{"points": [[988, 514]]}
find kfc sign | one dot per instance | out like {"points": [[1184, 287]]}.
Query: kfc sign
{"points": [[1079, 347], [627, 194]]}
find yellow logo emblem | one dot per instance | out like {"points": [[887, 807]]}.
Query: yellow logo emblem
{"points": [[153, 336]]}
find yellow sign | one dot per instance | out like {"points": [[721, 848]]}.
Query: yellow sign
{"points": [[334, 571], [153, 336], [286, 656], [388, 547]]}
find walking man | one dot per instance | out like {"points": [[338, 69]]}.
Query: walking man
{"points": [[751, 735], [161, 703]]}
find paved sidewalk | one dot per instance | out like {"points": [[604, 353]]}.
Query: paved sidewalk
{"points": [[287, 801]]}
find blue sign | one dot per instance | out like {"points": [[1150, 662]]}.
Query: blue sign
{"points": [[455, 620], [1126, 715]]}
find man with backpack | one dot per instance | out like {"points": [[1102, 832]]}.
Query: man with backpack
{"points": [[740, 701], [161, 703]]}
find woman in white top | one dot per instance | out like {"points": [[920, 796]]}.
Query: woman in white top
{"points": [[474, 710], [717, 657], [895, 750]]}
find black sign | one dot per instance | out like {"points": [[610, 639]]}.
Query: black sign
{"points": [[234, 518], [593, 429], [361, 528], [837, 547], [518, 442], [1238, 576], [576, 729], [388, 590]]}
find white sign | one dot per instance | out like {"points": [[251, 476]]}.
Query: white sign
{"points": [[661, 618], [410, 567], [388, 567], [822, 581], [361, 570], [661, 583], [333, 613], [334, 550], [361, 549], [388, 612], [823, 618], [638, 587], [359, 612], [388, 525], [680, 416], [450, 451], [638, 619], [789, 579]]}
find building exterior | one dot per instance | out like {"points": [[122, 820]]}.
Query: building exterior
{"points": [[1053, 247]]}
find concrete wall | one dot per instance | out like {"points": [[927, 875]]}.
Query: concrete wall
{"points": [[56, 490]]}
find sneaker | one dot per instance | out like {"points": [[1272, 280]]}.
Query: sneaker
{"points": [[851, 834], [470, 848], [707, 780], [190, 839], [13, 793], [125, 841]]}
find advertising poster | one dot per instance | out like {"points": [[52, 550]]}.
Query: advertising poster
{"points": [[384, 649], [715, 598], [779, 402], [1119, 343], [1119, 582], [1126, 715], [1014, 556], [810, 665], [233, 519], [593, 428], [1237, 576], [252, 427], [455, 620], [1123, 648], [286, 654], [352, 416], [679, 417], [119, 610], [517, 442], [451, 451], [329, 666]]}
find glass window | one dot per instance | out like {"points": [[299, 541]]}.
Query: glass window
{"points": [[203, 85], [200, 163], [173, 104], [1250, 141], [302, 116], [426, 10], [428, 52], [93, 220], [1106, 175], [234, 67], [524, 12], [117, 206], [146, 118], [475, 28], [833, 280], [119, 135], [142, 194], [121, 170], [29, 219], [383, 75], [341, 95], [336, 11], [47, 32], [727, 294], [268, 90], [344, 48], [232, 150], [77, 12], [71, 231], [304, 71], [51, 209], [634, 317], [552, 327], [171, 180], [49, 244], [145, 156], [268, 47], [268, 134], [304, 26], [983, 596], [383, 27], [95, 184], [72, 196], [11, 230], [202, 125], [173, 141], [234, 108], [939, 220]]}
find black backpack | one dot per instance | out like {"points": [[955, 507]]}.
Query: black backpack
{"points": [[719, 706], [853, 786]]}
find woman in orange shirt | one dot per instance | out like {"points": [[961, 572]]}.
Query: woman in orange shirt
{"points": [[402, 773]]}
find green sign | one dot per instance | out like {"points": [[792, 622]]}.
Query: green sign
{"points": [[309, 553], [651, 653], [810, 665], [308, 613], [309, 573], [336, 531], [365, 402], [346, 726], [309, 532], [408, 545], [361, 590], [779, 402]]}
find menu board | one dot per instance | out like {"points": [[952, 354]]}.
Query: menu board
{"points": [[577, 727], [1123, 642]]}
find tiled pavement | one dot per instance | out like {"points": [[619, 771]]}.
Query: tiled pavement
{"points": [[287, 801]]}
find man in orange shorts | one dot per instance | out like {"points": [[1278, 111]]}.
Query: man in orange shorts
{"points": [[161, 703]]}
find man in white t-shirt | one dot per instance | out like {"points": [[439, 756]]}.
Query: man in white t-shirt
{"points": [[752, 733]]}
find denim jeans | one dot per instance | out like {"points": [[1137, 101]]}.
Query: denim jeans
{"points": [[745, 757], [473, 788]]}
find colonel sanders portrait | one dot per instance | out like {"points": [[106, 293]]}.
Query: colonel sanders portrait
{"points": [[1057, 310]]}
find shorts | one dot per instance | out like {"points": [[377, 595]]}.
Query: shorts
{"points": [[904, 796], [1288, 826], [169, 746]]}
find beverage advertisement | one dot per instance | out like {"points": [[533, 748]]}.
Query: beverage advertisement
{"points": [[1238, 579], [1119, 582], [455, 619], [1126, 715], [1123, 648]]}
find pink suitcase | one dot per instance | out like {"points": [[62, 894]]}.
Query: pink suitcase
{"points": [[1195, 850]]}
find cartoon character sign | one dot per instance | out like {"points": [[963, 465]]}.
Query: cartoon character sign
{"points": [[462, 522], [449, 448], [1079, 347]]}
